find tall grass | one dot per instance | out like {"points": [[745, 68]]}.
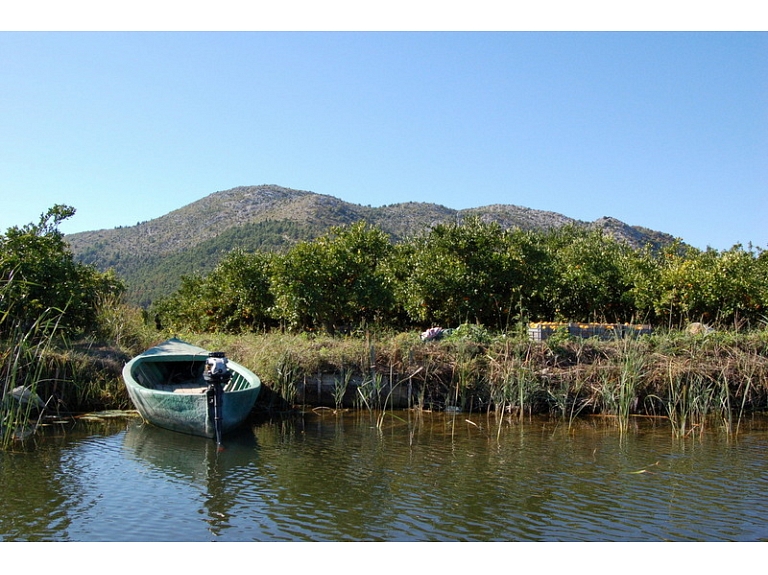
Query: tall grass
{"points": [[24, 351], [710, 378], [689, 380], [37, 360], [632, 371], [748, 364], [287, 371], [340, 386], [512, 382]]}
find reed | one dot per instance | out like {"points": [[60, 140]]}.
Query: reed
{"points": [[518, 384], [463, 379], [24, 351], [698, 386], [124, 326], [749, 371], [617, 379], [632, 373], [287, 372], [690, 404], [341, 385], [370, 391], [511, 380], [572, 400]]}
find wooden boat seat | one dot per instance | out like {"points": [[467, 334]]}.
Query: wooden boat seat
{"points": [[236, 383]]}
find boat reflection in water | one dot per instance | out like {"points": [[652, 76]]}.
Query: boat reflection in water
{"points": [[214, 476]]}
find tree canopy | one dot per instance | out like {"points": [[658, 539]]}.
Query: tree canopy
{"points": [[471, 272], [39, 277]]}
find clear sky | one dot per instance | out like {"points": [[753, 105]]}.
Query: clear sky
{"points": [[660, 129]]}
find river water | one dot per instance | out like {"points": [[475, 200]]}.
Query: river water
{"points": [[403, 476]]}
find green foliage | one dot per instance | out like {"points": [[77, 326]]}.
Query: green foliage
{"points": [[590, 280], [470, 273], [21, 368], [470, 332], [726, 287], [44, 296], [234, 297], [335, 281], [461, 272], [38, 275]]}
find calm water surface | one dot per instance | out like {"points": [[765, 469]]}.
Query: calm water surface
{"points": [[407, 477]]}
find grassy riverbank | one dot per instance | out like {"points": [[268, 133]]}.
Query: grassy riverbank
{"points": [[694, 381], [686, 378]]}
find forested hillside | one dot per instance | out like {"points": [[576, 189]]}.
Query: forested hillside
{"points": [[152, 256]]}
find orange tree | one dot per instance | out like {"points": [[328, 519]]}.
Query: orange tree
{"points": [[725, 287], [536, 270], [470, 272], [336, 281], [460, 273], [235, 297], [592, 276]]}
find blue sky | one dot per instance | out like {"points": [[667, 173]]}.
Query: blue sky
{"points": [[663, 130]]}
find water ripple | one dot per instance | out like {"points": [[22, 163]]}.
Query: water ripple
{"points": [[428, 479]]}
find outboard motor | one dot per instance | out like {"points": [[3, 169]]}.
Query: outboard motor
{"points": [[217, 374], [216, 370]]}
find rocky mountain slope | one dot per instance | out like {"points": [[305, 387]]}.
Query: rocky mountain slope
{"points": [[151, 256]]}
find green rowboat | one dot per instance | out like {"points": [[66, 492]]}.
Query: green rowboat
{"points": [[185, 388]]}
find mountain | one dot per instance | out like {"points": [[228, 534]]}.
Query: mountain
{"points": [[152, 256]]}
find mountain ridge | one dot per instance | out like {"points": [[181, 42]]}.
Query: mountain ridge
{"points": [[273, 217]]}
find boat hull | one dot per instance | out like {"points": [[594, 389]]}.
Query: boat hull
{"points": [[181, 404]]}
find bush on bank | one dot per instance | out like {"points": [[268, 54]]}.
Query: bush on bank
{"points": [[47, 300]]}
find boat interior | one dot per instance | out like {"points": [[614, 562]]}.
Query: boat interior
{"points": [[180, 377]]}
